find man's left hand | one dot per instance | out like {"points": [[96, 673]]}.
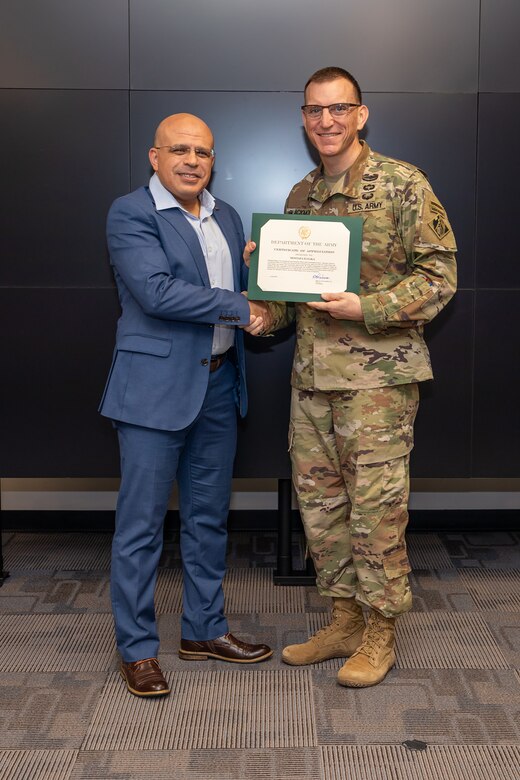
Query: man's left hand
{"points": [[341, 306]]}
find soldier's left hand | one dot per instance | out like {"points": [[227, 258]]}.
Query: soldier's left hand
{"points": [[341, 306]]}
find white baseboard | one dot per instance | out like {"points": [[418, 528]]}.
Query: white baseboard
{"points": [[103, 500]]}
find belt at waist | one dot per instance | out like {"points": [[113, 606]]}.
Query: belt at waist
{"points": [[217, 360]]}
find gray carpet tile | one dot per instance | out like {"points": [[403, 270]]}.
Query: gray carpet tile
{"points": [[245, 590], [228, 708], [426, 551], [446, 706], [59, 592], [492, 550], [168, 591], [440, 590], [36, 764], [47, 711], [395, 762], [446, 640], [252, 590], [52, 643], [494, 589], [505, 627], [282, 764], [51, 552]]}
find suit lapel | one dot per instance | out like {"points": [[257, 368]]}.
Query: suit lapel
{"points": [[179, 222], [226, 225]]}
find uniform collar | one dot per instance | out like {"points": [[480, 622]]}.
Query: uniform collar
{"points": [[352, 184]]}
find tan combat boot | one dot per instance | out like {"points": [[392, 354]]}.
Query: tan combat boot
{"points": [[374, 658], [337, 640]]}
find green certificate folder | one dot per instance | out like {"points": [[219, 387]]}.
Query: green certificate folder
{"points": [[300, 256]]}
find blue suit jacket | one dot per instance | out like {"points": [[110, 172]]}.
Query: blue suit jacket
{"points": [[160, 367]]}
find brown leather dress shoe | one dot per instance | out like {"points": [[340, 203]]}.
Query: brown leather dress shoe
{"points": [[144, 678], [225, 648]]}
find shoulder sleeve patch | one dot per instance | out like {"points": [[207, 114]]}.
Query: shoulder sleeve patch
{"points": [[434, 227]]}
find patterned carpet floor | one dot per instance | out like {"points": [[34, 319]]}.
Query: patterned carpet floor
{"points": [[449, 709]]}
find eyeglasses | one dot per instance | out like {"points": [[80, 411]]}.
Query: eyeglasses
{"points": [[336, 109], [181, 151]]}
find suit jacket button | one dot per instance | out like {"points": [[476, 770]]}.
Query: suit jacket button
{"points": [[204, 362]]}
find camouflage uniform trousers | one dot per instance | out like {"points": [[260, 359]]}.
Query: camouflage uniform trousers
{"points": [[350, 456]]}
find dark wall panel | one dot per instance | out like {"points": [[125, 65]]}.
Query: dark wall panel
{"points": [[262, 449], [405, 45], [497, 383], [499, 50], [443, 430], [420, 129], [55, 353], [64, 44], [498, 199], [65, 156]]}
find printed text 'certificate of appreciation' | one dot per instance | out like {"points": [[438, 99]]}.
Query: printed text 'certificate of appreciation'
{"points": [[299, 257]]}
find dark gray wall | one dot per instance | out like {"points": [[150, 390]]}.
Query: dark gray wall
{"points": [[82, 86]]}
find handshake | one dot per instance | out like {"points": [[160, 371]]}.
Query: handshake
{"points": [[260, 318]]}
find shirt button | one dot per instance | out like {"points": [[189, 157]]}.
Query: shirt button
{"points": [[204, 362]]}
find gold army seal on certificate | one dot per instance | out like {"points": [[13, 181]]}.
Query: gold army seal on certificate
{"points": [[299, 257]]}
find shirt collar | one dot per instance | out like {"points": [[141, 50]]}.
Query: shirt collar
{"points": [[165, 200]]}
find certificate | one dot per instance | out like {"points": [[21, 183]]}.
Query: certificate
{"points": [[299, 257]]}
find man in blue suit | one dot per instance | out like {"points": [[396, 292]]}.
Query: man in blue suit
{"points": [[176, 379]]}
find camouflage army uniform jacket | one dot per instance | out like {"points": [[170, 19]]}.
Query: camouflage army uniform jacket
{"points": [[408, 274]]}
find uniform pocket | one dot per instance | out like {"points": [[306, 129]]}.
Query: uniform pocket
{"points": [[396, 563]]}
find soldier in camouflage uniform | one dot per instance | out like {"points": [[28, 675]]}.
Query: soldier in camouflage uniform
{"points": [[357, 364]]}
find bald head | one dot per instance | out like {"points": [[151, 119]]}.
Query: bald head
{"points": [[187, 124]]}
